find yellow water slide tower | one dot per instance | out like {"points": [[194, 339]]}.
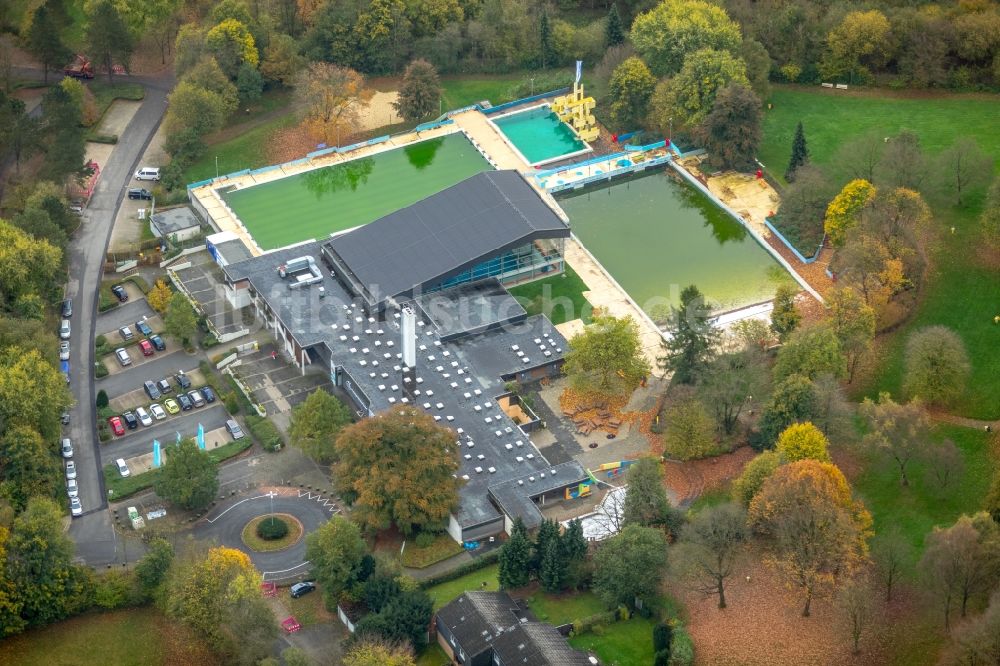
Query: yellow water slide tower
{"points": [[578, 112]]}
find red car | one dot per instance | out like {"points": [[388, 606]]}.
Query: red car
{"points": [[147, 349], [116, 426]]}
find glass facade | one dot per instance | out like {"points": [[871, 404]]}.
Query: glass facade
{"points": [[539, 258]]}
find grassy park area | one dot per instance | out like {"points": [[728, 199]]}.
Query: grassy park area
{"points": [[560, 297], [621, 643], [961, 293]]}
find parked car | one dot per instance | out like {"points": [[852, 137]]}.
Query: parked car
{"points": [[171, 406], [182, 380], [71, 488], [123, 356], [67, 308], [64, 367], [64, 330], [143, 328], [64, 350], [158, 342], [158, 412], [305, 587], [130, 421], [164, 386], [184, 401], [116, 426], [64, 418], [75, 507], [151, 390], [120, 293], [126, 333], [147, 173], [76, 206], [208, 393], [143, 416], [139, 193], [122, 467], [67, 448], [234, 429], [70, 469], [196, 397], [147, 349]]}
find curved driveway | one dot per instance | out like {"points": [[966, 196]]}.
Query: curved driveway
{"points": [[225, 526]]}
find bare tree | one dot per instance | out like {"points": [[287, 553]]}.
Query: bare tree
{"points": [[899, 430], [979, 641], [964, 166], [890, 553], [903, 162], [711, 547], [855, 603], [946, 463], [859, 158]]}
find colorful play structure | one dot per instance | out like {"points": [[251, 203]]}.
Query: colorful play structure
{"points": [[611, 470], [577, 111]]}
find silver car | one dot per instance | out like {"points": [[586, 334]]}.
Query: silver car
{"points": [[123, 356], [71, 488], [75, 507], [67, 448], [144, 417], [64, 351], [70, 469]]}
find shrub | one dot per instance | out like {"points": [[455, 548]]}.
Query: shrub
{"points": [[100, 341], [209, 341], [681, 648], [265, 432], [102, 398], [231, 402], [478, 563], [590, 623], [272, 528], [661, 658], [662, 634], [100, 370], [424, 539]]}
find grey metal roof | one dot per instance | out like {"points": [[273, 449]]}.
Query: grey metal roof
{"points": [[171, 220], [447, 233], [514, 495], [470, 308]]}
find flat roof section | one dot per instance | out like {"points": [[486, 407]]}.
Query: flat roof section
{"points": [[446, 233], [473, 307]]}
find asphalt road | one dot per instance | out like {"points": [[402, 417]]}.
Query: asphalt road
{"points": [[139, 441], [95, 539], [124, 315], [163, 365]]}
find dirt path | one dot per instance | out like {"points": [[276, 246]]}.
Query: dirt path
{"points": [[978, 424]]}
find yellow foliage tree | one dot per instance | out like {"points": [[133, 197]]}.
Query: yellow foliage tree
{"points": [[803, 441], [232, 44], [844, 211], [374, 651], [159, 296], [199, 593]]}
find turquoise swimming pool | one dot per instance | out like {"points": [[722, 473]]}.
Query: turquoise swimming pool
{"points": [[539, 135]]}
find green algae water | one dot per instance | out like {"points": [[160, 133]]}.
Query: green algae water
{"points": [[656, 236], [317, 203]]}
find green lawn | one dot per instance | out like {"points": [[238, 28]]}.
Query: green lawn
{"points": [[620, 644], [134, 636], [561, 609], [962, 294], [442, 548], [915, 509], [433, 655], [247, 151], [465, 90], [445, 592], [560, 297]]}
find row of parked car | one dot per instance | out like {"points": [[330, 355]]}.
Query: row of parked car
{"points": [[72, 490], [182, 402], [147, 346]]}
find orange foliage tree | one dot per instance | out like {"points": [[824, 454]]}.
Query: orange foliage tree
{"points": [[817, 531], [330, 99]]}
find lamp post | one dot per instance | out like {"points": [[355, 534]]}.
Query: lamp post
{"points": [[670, 132], [216, 166], [532, 86]]}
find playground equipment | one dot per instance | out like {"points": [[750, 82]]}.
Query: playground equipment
{"points": [[580, 490], [612, 470], [137, 521], [578, 112]]}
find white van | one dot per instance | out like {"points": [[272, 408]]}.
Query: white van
{"points": [[147, 173]]}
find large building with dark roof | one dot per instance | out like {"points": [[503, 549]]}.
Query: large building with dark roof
{"points": [[443, 340]]}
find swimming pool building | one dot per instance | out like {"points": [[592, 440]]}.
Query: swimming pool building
{"points": [[410, 311]]}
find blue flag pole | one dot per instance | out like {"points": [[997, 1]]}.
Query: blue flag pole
{"points": [[156, 454], [201, 436]]}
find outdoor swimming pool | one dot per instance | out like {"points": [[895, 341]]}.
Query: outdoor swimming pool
{"points": [[656, 236], [317, 203], [539, 135]]}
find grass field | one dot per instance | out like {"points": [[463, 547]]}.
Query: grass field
{"points": [[445, 592], [466, 90], [433, 655], [620, 644], [442, 548], [318, 202], [915, 509], [247, 151], [134, 636], [962, 294], [559, 297], [561, 609]]}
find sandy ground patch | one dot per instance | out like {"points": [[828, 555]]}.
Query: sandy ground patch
{"points": [[380, 111], [118, 116], [99, 152], [155, 154]]}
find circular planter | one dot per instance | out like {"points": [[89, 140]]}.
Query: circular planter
{"points": [[257, 544]]}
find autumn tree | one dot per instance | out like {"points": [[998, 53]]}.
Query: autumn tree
{"points": [[901, 431], [946, 463], [159, 296], [689, 96], [753, 476], [817, 531], [646, 500], [800, 153], [729, 383], [793, 400], [731, 132], [420, 93], [989, 219], [607, 358], [180, 320], [515, 558], [189, 47], [374, 651], [688, 430], [232, 44], [785, 317], [903, 163], [891, 553], [853, 323], [376, 474], [961, 562], [189, 477], [665, 35], [964, 166], [689, 347], [108, 36], [282, 60], [854, 600], [207, 75], [316, 423], [330, 99], [32, 394], [978, 642], [811, 352], [710, 548], [630, 566], [196, 110], [845, 210], [859, 43], [27, 467], [43, 39], [629, 91], [936, 365], [803, 441], [337, 553]]}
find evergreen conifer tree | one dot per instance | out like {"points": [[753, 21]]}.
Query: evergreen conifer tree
{"points": [[800, 153], [547, 533], [692, 338], [552, 571], [545, 35], [614, 31], [515, 558]]}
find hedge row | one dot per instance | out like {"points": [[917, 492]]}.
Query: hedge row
{"points": [[265, 432], [605, 618], [476, 564]]}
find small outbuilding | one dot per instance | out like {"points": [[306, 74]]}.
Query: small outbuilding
{"points": [[175, 224]]}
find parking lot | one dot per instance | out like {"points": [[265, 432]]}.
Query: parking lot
{"points": [[139, 441], [203, 281]]}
